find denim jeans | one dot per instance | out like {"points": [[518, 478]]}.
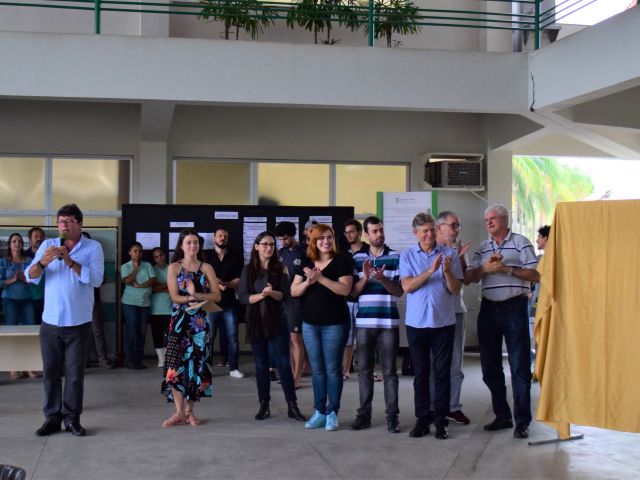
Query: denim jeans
{"points": [[457, 375], [423, 343], [227, 321], [386, 341], [64, 350], [509, 320], [135, 330], [18, 312], [277, 349], [325, 347]]}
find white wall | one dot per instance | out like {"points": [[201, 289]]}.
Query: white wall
{"points": [[121, 68]]}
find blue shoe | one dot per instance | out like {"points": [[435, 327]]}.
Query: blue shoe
{"points": [[332, 422], [318, 420]]}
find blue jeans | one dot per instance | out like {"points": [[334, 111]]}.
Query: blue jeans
{"points": [[135, 330], [275, 348], [506, 319], [227, 320], [325, 347], [423, 343], [18, 312], [386, 341]]}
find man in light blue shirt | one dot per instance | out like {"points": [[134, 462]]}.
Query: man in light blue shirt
{"points": [[431, 275], [74, 266]]}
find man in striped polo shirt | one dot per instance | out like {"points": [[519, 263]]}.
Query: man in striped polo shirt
{"points": [[377, 322], [506, 265]]}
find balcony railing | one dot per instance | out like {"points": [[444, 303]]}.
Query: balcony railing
{"points": [[528, 16]]}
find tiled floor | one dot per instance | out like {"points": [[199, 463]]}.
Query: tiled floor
{"points": [[123, 412]]}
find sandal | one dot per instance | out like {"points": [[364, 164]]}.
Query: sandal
{"points": [[192, 420], [173, 420]]}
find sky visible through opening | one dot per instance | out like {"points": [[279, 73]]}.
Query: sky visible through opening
{"points": [[595, 12], [612, 178]]}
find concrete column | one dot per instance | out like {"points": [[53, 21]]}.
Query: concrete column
{"points": [[150, 173], [499, 176]]}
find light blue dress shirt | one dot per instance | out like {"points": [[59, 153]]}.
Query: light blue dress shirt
{"points": [[68, 298], [432, 305]]}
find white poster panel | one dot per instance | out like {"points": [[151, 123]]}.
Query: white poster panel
{"points": [[398, 210]]}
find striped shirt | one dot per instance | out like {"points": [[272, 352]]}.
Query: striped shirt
{"points": [[517, 252], [377, 308]]}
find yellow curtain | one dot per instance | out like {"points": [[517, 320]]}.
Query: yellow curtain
{"points": [[588, 318]]}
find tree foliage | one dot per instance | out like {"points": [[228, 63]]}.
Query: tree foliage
{"points": [[321, 15], [538, 184], [249, 15], [394, 16]]}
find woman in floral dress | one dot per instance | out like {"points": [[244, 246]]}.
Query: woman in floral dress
{"points": [[187, 367]]}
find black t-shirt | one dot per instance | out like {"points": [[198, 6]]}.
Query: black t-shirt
{"points": [[292, 258], [320, 306], [229, 268]]}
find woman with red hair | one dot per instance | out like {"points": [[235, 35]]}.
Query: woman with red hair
{"points": [[323, 282]]}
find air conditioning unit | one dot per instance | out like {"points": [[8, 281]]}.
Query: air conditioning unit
{"points": [[453, 170]]}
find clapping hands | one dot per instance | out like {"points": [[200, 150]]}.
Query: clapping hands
{"points": [[312, 274]]}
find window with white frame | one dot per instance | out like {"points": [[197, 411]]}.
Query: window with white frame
{"points": [[32, 188], [250, 182]]}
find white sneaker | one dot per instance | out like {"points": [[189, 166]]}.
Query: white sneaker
{"points": [[236, 374]]}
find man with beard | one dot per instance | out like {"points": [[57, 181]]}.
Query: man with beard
{"points": [[228, 267], [377, 322], [292, 254], [353, 239]]}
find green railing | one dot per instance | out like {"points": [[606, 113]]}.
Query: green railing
{"points": [[531, 18]]}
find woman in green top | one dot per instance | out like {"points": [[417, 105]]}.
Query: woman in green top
{"points": [[138, 277], [160, 305]]}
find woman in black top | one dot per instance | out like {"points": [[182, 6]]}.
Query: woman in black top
{"points": [[264, 285], [323, 282]]}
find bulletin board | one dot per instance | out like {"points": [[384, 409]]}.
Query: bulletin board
{"points": [[159, 225]]}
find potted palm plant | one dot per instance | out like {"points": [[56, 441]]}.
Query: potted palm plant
{"points": [[321, 15], [249, 15], [394, 16]]}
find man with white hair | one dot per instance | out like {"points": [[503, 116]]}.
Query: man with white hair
{"points": [[506, 265]]}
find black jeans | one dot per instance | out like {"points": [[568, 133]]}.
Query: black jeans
{"points": [[423, 343], [276, 348], [64, 350], [159, 329], [506, 319], [386, 340]]}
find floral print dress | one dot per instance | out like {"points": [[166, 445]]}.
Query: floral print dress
{"points": [[187, 365]]}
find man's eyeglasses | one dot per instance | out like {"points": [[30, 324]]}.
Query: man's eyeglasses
{"points": [[267, 244], [66, 222], [454, 226]]}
